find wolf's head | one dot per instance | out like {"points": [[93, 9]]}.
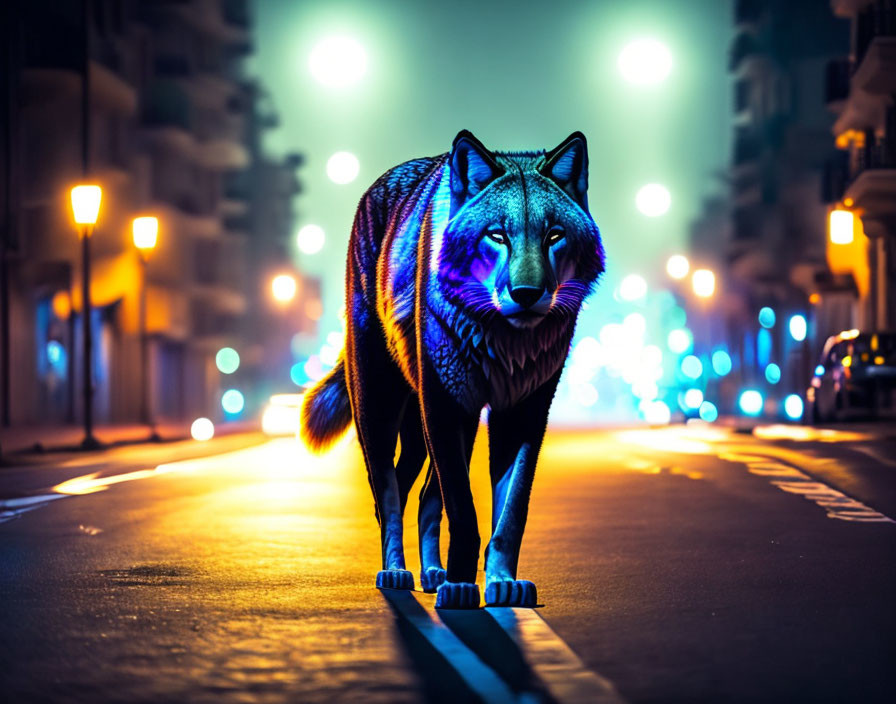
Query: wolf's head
{"points": [[520, 242]]}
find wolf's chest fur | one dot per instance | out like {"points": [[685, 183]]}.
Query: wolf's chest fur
{"points": [[480, 359]]}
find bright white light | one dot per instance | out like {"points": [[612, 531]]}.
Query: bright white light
{"points": [[645, 62], [336, 339], [657, 413], [86, 204], [145, 232], [635, 324], [585, 395], [653, 200], [310, 239], [232, 401], [678, 266], [750, 402], [587, 352], [679, 340], [652, 356], [798, 327], [841, 226], [283, 287], [202, 429], [704, 283], [632, 287], [338, 62], [329, 355], [343, 167], [793, 407], [693, 398]]}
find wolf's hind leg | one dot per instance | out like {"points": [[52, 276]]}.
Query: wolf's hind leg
{"points": [[379, 393], [429, 515]]}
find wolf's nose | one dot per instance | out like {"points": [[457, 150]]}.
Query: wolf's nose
{"points": [[526, 296]]}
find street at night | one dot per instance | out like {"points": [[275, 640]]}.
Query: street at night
{"points": [[673, 564]]}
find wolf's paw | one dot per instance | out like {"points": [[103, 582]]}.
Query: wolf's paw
{"points": [[431, 578], [394, 579], [511, 592], [457, 595]]}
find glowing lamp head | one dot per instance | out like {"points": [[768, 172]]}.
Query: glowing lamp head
{"points": [[653, 200], [645, 62], [283, 288], [343, 167], [338, 62], [145, 232], [841, 224], [202, 429], [678, 266], [704, 283], [86, 204]]}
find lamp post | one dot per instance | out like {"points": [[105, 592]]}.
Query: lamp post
{"points": [[86, 207], [145, 233]]}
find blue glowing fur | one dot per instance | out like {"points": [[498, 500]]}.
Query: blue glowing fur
{"points": [[465, 275]]}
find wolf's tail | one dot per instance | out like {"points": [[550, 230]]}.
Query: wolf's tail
{"points": [[326, 411]]}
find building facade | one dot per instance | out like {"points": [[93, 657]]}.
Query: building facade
{"points": [[169, 133], [774, 246], [861, 184]]}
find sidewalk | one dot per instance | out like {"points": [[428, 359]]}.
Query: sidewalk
{"points": [[60, 438]]}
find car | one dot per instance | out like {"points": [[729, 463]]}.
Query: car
{"points": [[856, 377], [282, 414]]}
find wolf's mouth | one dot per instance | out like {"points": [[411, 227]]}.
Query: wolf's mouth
{"points": [[525, 319]]}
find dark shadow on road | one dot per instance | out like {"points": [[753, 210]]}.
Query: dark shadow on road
{"points": [[498, 648], [438, 677]]}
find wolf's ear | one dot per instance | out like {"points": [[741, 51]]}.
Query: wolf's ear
{"points": [[567, 166], [472, 168]]}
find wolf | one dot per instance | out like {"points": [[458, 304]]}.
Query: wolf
{"points": [[465, 276]]}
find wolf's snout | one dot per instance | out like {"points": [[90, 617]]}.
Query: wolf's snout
{"points": [[526, 296]]}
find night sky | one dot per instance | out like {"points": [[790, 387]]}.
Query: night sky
{"points": [[520, 76]]}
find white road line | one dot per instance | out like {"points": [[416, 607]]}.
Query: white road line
{"points": [[557, 666]]}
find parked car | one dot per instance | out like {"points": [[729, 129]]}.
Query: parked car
{"points": [[855, 377], [281, 415]]}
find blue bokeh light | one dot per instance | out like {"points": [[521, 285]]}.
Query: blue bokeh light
{"points": [[793, 407], [819, 370], [721, 362], [691, 367], [767, 317], [773, 373], [708, 412], [751, 402], [298, 375], [798, 327], [232, 401]]}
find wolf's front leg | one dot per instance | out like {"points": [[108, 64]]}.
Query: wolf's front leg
{"points": [[450, 431], [515, 437]]}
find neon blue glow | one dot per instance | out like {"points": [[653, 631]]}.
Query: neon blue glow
{"points": [[55, 352], [750, 402], [773, 373], [793, 407], [767, 317], [232, 401], [763, 347], [721, 362], [691, 367], [819, 370], [798, 327], [708, 412], [676, 317], [297, 374]]}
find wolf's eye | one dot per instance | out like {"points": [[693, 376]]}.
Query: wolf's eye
{"points": [[555, 234], [496, 235]]}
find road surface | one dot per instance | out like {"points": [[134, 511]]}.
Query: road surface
{"points": [[673, 564]]}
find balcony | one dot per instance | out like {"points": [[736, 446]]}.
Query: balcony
{"points": [[166, 104], [877, 19], [836, 83], [875, 74], [873, 186]]}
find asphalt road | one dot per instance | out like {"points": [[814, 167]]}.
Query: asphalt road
{"points": [[675, 564]]}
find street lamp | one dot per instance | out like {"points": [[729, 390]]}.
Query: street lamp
{"points": [[145, 232], [86, 208], [704, 283], [283, 288]]}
